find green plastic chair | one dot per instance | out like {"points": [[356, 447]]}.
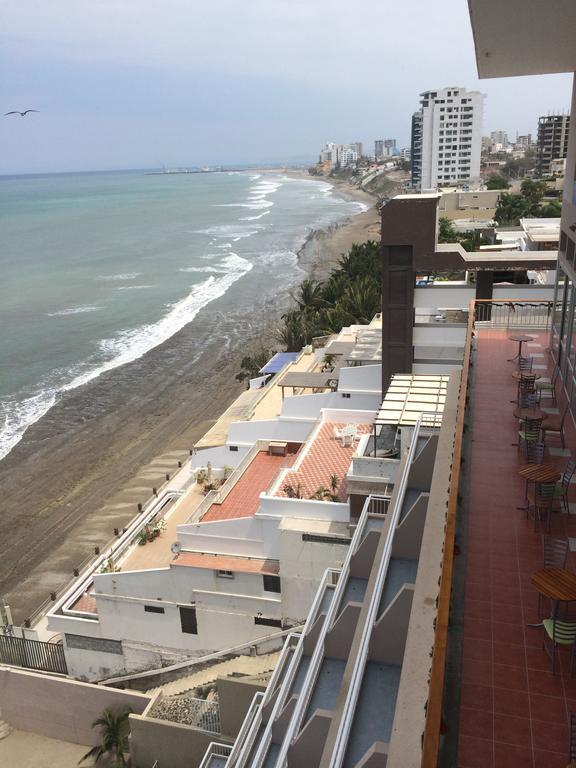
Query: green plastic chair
{"points": [[548, 388], [560, 633], [529, 432]]}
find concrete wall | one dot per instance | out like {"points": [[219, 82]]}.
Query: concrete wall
{"points": [[303, 566], [439, 333], [235, 695], [218, 457], [310, 406], [170, 744], [60, 708], [360, 378], [247, 432]]}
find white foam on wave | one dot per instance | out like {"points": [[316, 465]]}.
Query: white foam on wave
{"points": [[229, 231], [255, 206], [253, 218], [74, 311], [133, 287], [256, 176], [128, 346], [120, 276]]}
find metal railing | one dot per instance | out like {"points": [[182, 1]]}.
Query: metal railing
{"points": [[341, 743], [33, 654], [215, 749], [526, 313]]}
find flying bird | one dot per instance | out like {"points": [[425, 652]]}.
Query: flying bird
{"points": [[22, 114]]}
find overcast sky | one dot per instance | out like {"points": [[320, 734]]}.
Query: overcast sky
{"points": [[146, 83]]}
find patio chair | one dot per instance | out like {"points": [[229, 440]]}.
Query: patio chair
{"points": [[338, 433], [525, 388], [571, 737], [527, 399], [554, 554], [525, 364], [562, 488], [540, 503], [529, 432], [548, 388], [560, 633], [555, 427], [535, 453]]}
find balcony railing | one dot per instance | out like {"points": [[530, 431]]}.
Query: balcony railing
{"points": [[530, 313], [216, 750]]}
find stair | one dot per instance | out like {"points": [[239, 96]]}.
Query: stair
{"points": [[245, 665], [5, 729]]}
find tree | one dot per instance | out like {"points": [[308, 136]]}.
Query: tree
{"points": [[446, 231], [114, 729], [551, 210], [533, 190], [308, 296], [511, 208], [251, 364], [496, 181]]}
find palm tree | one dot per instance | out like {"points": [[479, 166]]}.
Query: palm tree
{"points": [[308, 296], [362, 300], [114, 729]]}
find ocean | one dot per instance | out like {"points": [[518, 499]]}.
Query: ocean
{"points": [[99, 268]]}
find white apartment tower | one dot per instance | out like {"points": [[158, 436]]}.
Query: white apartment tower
{"points": [[446, 138]]}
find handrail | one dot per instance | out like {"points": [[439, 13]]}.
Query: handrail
{"points": [[214, 749], [245, 735], [341, 742], [198, 659], [317, 655], [431, 739], [293, 666]]}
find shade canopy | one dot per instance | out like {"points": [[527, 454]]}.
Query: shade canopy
{"points": [[279, 361]]}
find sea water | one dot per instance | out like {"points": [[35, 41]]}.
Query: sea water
{"points": [[99, 268]]}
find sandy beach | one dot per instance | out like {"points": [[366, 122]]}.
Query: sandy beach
{"points": [[83, 468]]}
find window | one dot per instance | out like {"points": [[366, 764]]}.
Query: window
{"points": [[271, 583], [346, 394], [188, 620], [153, 609], [233, 447], [224, 574], [319, 539], [268, 622]]}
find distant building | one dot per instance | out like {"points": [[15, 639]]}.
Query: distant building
{"points": [[389, 147], [405, 153], [524, 141], [347, 154], [499, 137], [553, 132], [358, 146], [379, 149], [446, 138]]}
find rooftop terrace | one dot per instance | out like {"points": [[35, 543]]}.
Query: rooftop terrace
{"points": [[326, 455], [513, 711]]}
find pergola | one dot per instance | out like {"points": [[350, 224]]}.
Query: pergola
{"points": [[304, 380]]}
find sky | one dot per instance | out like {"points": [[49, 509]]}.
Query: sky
{"points": [[148, 83]]}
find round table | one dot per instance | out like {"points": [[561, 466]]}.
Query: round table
{"points": [[540, 473], [525, 414], [557, 584], [520, 338], [518, 375]]}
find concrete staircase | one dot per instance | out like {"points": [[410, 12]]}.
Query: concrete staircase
{"points": [[240, 665], [5, 730]]}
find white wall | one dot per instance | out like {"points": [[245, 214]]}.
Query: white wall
{"points": [[247, 432], [279, 506], [435, 297], [439, 334], [310, 406], [516, 292], [244, 536], [303, 566], [219, 457], [361, 378]]}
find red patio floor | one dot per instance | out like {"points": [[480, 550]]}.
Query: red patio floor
{"points": [[513, 710]]}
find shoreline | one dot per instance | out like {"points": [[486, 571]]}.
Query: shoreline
{"points": [[80, 471]]}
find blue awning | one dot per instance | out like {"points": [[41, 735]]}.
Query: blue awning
{"points": [[280, 359]]}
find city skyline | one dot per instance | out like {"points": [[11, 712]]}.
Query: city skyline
{"points": [[122, 87]]}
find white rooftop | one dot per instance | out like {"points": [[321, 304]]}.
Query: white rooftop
{"points": [[411, 395]]}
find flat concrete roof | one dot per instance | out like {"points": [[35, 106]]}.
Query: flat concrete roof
{"points": [[523, 37], [227, 563]]}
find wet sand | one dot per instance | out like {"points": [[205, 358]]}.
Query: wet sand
{"points": [[81, 470]]}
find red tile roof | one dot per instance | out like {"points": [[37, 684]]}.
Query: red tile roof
{"points": [[86, 602], [325, 457], [226, 563], [244, 498]]}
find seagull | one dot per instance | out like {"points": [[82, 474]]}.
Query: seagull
{"points": [[22, 114]]}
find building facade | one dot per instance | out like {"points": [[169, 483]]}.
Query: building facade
{"points": [[553, 135], [499, 137], [447, 138]]}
